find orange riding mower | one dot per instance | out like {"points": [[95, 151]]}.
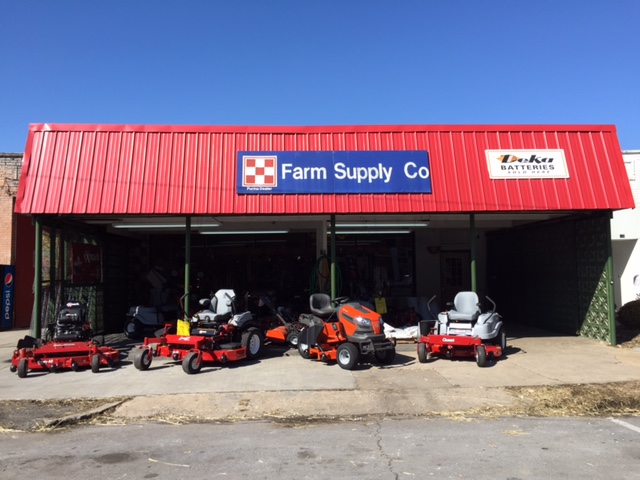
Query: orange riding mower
{"points": [[344, 332]]}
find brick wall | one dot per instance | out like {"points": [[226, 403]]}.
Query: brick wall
{"points": [[10, 165]]}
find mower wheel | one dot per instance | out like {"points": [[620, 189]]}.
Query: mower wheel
{"points": [[292, 338], [191, 364], [95, 363], [303, 350], [253, 341], [142, 359], [23, 367], [481, 355], [385, 357], [347, 355], [13, 368], [501, 340], [423, 355]]}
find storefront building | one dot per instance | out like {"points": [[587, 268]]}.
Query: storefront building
{"points": [[520, 212]]}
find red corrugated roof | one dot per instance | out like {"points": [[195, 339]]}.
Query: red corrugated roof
{"points": [[142, 169]]}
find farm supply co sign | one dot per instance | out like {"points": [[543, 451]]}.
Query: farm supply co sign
{"points": [[527, 164], [328, 172]]}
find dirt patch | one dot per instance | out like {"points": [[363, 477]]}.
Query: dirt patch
{"points": [[596, 400], [26, 415]]}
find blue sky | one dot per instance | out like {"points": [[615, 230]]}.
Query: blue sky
{"points": [[325, 62]]}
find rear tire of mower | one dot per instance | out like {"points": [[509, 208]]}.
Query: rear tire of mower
{"points": [[253, 341], [502, 340], [95, 363], [423, 355], [142, 359], [190, 363], [23, 367], [347, 356], [481, 356]]}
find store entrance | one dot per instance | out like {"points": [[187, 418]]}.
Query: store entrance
{"points": [[455, 273]]}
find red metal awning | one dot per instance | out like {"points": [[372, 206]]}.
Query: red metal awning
{"points": [[180, 170]]}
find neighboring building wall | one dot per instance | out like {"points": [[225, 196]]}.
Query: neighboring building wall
{"points": [[10, 165], [625, 235]]}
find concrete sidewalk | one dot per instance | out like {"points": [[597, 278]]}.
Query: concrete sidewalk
{"points": [[282, 384]]}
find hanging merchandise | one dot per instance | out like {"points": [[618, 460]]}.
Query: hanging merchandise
{"points": [[381, 304], [320, 278]]}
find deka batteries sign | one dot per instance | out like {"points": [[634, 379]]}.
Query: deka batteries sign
{"points": [[527, 164], [334, 172]]}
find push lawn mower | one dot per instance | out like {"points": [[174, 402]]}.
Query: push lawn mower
{"points": [[217, 334], [278, 326], [68, 344], [343, 333], [463, 331]]}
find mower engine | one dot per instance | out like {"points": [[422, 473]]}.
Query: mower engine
{"points": [[71, 324]]}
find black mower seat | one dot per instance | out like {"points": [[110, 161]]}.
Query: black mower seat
{"points": [[320, 304], [466, 307]]}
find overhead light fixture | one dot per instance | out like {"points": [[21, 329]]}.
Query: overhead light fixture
{"points": [[245, 232], [383, 225], [369, 232], [164, 225]]}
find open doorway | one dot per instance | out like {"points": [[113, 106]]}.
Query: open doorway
{"points": [[455, 274]]}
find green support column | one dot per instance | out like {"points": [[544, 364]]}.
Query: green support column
{"points": [[187, 266], [613, 340], [52, 265], [334, 293], [472, 246], [36, 320]]}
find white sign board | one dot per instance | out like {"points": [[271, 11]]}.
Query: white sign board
{"points": [[527, 164]]}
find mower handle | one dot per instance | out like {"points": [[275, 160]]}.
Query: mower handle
{"points": [[429, 304], [182, 302], [492, 303]]}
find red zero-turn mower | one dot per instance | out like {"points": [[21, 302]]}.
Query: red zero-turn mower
{"points": [[463, 331], [68, 345], [344, 333], [217, 334]]}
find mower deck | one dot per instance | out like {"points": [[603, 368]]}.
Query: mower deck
{"points": [[455, 346], [56, 356], [192, 351]]}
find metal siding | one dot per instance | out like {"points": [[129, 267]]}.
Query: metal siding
{"points": [[116, 169], [123, 166], [110, 174], [80, 178], [96, 168], [138, 160], [175, 179], [53, 194]]}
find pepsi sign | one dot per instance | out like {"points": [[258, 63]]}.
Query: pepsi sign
{"points": [[8, 273]]}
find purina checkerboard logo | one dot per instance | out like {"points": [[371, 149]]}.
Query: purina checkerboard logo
{"points": [[259, 172]]}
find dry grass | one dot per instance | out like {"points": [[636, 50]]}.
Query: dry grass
{"points": [[610, 399]]}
